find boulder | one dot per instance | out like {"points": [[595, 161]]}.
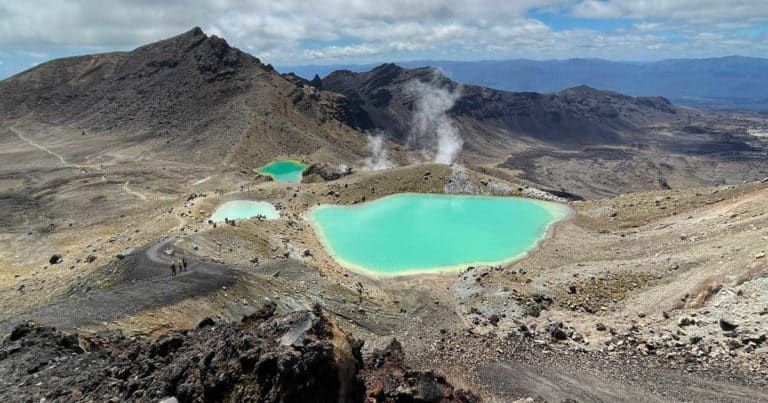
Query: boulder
{"points": [[324, 171], [125, 253], [600, 327], [205, 323], [728, 324], [387, 379], [557, 331], [686, 321]]}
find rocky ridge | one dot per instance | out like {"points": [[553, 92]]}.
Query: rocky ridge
{"points": [[298, 357], [189, 95]]}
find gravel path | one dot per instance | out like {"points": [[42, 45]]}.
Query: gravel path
{"points": [[145, 285]]}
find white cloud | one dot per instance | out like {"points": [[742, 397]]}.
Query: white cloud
{"points": [[690, 11], [649, 26], [335, 52], [297, 31]]}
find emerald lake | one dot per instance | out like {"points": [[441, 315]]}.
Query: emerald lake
{"points": [[415, 233], [283, 171]]}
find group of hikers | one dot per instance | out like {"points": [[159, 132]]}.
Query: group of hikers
{"points": [[180, 264]]}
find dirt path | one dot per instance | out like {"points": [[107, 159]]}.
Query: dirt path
{"points": [[133, 192], [145, 285], [38, 146], [589, 381], [201, 181]]}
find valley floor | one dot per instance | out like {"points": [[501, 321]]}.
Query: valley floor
{"points": [[652, 296]]}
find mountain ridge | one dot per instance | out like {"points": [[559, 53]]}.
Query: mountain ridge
{"points": [[191, 92], [588, 115], [730, 82]]}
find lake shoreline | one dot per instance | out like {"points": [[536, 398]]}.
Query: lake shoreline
{"points": [[561, 213]]}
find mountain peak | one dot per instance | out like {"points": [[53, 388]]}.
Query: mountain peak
{"points": [[186, 40], [582, 88], [209, 55], [196, 31], [585, 91], [387, 66], [388, 69]]}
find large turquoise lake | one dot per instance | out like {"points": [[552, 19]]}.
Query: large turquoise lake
{"points": [[414, 233], [283, 171], [244, 209]]}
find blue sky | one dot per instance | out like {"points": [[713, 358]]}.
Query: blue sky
{"points": [[292, 32]]}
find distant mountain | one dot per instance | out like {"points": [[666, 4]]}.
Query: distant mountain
{"points": [[489, 118], [189, 96], [733, 82]]}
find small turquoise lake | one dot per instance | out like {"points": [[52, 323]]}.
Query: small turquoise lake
{"points": [[283, 171], [244, 209], [414, 233]]}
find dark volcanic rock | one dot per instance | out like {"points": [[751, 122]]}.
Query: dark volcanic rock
{"points": [[298, 357], [557, 331], [228, 362], [317, 82], [387, 380], [324, 172], [728, 324]]}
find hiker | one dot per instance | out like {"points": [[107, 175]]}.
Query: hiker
{"points": [[173, 269], [184, 263]]}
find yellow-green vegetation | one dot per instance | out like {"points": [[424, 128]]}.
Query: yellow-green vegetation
{"points": [[597, 294]]}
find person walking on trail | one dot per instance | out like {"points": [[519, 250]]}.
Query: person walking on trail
{"points": [[173, 269], [184, 263]]}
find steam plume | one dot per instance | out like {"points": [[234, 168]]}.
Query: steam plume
{"points": [[433, 132], [379, 158]]}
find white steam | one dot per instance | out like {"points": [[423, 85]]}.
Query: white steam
{"points": [[433, 132], [379, 159]]}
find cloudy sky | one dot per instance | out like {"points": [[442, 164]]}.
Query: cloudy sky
{"points": [[290, 32]]}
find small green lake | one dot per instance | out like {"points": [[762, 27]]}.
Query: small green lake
{"points": [[414, 233], [244, 209], [283, 171]]}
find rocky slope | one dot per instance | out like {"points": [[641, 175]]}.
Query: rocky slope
{"points": [[192, 95], [298, 357]]}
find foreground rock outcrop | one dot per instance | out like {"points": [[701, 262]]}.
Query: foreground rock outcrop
{"points": [[298, 357], [387, 379]]}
